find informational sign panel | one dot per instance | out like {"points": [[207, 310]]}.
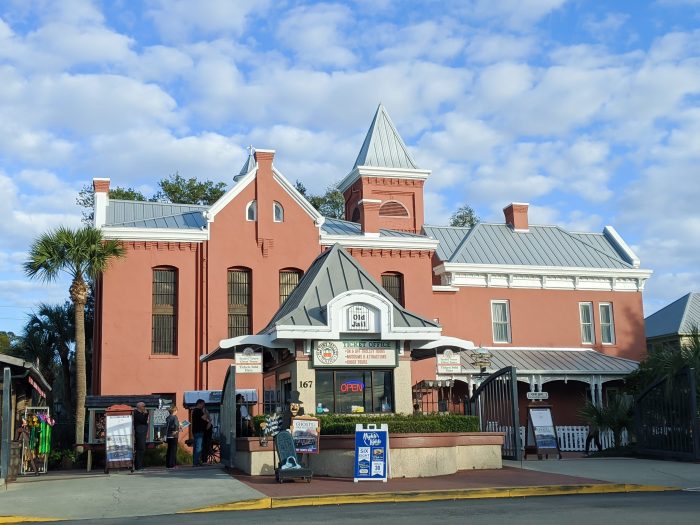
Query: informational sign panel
{"points": [[360, 318], [537, 396], [159, 417], [248, 361], [119, 444], [542, 433], [449, 362], [355, 354], [371, 453], [305, 432]]}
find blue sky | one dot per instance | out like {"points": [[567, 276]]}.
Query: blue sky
{"points": [[587, 110]]}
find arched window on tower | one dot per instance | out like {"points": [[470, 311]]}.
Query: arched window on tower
{"points": [[356, 214], [277, 212], [251, 212], [393, 209]]}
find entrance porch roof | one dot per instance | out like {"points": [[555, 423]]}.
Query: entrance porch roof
{"points": [[227, 347]]}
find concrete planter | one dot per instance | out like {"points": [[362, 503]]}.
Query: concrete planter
{"points": [[411, 455]]}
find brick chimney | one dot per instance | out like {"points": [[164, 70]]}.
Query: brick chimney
{"points": [[101, 190], [369, 216], [263, 197], [516, 216]]}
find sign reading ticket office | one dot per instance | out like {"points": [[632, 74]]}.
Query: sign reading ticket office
{"points": [[355, 354]]}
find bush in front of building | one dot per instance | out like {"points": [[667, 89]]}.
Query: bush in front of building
{"points": [[337, 424]]}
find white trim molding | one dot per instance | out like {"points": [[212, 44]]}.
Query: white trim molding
{"points": [[542, 277], [611, 234], [387, 173], [155, 234], [227, 197], [368, 241]]}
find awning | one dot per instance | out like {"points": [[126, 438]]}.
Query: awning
{"points": [[213, 397], [227, 347], [424, 350], [33, 371], [546, 361]]}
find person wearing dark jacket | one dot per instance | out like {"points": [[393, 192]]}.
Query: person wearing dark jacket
{"points": [[200, 420], [172, 431], [140, 434]]}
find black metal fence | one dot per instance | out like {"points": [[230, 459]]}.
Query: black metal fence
{"points": [[667, 420], [495, 402]]}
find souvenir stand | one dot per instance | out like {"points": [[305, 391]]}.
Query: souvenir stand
{"points": [[37, 447]]}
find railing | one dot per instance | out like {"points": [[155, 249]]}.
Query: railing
{"points": [[571, 438]]}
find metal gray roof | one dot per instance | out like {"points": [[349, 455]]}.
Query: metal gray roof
{"points": [[249, 165], [449, 238], [536, 360], [383, 146], [341, 227], [679, 317], [540, 246], [139, 214], [332, 273]]}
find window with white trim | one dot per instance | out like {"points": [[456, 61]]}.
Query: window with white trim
{"points": [[251, 211], [586, 316], [607, 324], [277, 212], [500, 317]]}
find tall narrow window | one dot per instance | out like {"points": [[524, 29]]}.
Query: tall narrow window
{"points": [[288, 281], [607, 325], [277, 212], [393, 283], [500, 317], [587, 332], [251, 212], [239, 302], [164, 315]]}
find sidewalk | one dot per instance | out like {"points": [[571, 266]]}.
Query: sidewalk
{"points": [[75, 494]]}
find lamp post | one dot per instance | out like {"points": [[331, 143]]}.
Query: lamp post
{"points": [[481, 359]]}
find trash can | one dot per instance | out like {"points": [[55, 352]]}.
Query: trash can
{"points": [[15, 460]]}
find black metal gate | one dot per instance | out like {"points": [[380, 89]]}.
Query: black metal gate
{"points": [[495, 402], [666, 418]]}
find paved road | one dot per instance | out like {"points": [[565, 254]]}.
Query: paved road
{"points": [[677, 508]]}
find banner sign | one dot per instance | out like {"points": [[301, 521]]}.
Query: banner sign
{"points": [[371, 453], [355, 354], [119, 445], [305, 433], [248, 361], [449, 362]]}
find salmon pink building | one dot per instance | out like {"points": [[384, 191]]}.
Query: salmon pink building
{"points": [[357, 314]]}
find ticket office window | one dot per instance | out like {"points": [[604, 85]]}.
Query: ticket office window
{"points": [[354, 391]]}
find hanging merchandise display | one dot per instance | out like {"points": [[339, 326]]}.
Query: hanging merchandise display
{"points": [[35, 435]]}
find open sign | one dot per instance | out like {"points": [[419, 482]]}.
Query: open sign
{"points": [[354, 385]]}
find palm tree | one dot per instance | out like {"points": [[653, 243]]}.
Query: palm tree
{"points": [[81, 253], [54, 326]]}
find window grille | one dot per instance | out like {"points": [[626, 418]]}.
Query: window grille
{"points": [[393, 284], [289, 279], [239, 302], [164, 317]]}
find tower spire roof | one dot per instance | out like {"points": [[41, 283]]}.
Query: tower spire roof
{"points": [[383, 146]]}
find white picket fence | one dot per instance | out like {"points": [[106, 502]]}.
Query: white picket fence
{"points": [[571, 438]]}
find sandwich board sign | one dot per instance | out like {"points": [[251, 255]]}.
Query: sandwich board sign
{"points": [[371, 452], [541, 432]]}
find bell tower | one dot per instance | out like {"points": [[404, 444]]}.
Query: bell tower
{"points": [[384, 189]]}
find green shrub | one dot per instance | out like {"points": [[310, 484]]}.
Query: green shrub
{"points": [[337, 424], [155, 457]]}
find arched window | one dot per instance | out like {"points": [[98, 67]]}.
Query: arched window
{"points": [[356, 214], [251, 212], [277, 212], [392, 282], [239, 301], [289, 278], [393, 209], [164, 312]]}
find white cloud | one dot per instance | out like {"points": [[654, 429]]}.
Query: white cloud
{"points": [[314, 34], [428, 40], [488, 48], [516, 14]]}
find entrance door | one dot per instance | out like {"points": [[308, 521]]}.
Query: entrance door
{"points": [[286, 390]]}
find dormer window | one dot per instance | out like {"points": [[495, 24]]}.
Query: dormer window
{"points": [[277, 212], [251, 213]]}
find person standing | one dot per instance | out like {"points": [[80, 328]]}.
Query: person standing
{"points": [[140, 434], [200, 420], [172, 428], [242, 417]]}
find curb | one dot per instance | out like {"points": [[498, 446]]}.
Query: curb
{"points": [[422, 496], [27, 519]]}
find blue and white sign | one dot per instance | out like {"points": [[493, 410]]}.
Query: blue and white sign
{"points": [[371, 452]]}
